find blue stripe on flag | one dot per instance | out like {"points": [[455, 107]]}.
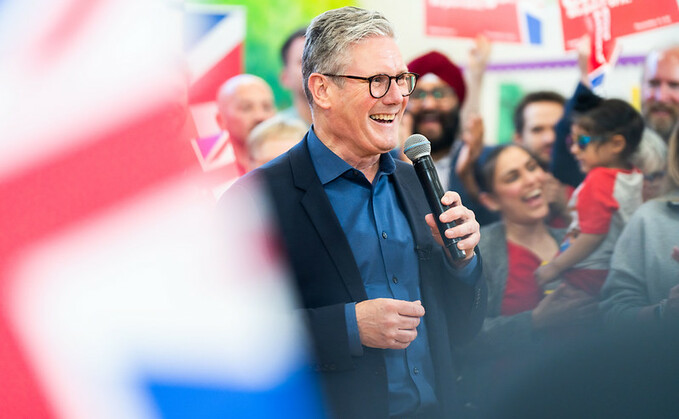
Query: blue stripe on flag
{"points": [[534, 26], [297, 397], [197, 25], [597, 80]]}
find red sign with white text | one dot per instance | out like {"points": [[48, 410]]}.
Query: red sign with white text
{"points": [[609, 19], [497, 20]]}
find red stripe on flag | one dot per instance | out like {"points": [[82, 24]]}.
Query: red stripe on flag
{"points": [[101, 173], [67, 28], [205, 88]]}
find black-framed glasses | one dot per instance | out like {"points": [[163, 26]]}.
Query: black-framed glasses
{"points": [[379, 84], [583, 140]]}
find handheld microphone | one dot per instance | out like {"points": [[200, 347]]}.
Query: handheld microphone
{"points": [[418, 149]]}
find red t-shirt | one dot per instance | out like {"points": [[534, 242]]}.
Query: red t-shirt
{"points": [[522, 292]]}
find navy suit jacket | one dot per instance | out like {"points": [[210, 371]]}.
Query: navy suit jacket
{"points": [[327, 278]]}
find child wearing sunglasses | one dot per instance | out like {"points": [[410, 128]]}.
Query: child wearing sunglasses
{"points": [[602, 141]]}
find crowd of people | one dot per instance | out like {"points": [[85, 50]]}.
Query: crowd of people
{"points": [[571, 228]]}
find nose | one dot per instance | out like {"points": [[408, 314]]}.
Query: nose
{"points": [[575, 148], [534, 177], [393, 94], [660, 92], [663, 93], [262, 114], [429, 102], [549, 136]]}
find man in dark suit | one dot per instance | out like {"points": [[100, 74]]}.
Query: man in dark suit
{"points": [[385, 304]]}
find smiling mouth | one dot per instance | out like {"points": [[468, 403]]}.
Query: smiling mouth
{"points": [[532, 196], [383, 118]]}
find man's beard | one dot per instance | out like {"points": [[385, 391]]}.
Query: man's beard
{"points": [[449, 124], [661, 125]]}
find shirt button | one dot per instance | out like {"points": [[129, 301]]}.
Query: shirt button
{"points": [[416, 371], [384, 234], [394, 280]]}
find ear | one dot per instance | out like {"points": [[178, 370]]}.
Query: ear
{"points": [[283, 78], [489, 201], [220, 121], [517, 138], [320, 88], [617, 143]]}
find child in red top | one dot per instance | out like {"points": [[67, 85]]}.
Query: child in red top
{"points": [[603, 140]]}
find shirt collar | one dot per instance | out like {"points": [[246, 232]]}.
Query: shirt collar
{"points": [[329, 166]]}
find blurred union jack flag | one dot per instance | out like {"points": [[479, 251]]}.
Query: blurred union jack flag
{"points": [[120, 295], [214, 44], [213, 40]]}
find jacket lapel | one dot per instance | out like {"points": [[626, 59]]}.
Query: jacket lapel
{"points": [[321, 214]]}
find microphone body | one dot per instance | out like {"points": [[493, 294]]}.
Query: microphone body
{"points": [[429, 179]]}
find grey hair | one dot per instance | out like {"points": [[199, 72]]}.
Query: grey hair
{"points": [[274, 127], [651, 156], [330, 35], [673, 161]]}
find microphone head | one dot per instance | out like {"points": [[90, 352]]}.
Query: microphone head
{"points": [[416, 147]]}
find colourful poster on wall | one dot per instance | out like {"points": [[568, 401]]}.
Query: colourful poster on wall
{"points": [[614, 18], [606, 20], [498, 20]]}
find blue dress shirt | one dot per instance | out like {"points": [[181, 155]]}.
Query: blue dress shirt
{"points": [[382, 244]]}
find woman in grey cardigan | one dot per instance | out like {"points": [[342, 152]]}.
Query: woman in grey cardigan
{"points": [[642, 287], [511, 182]]}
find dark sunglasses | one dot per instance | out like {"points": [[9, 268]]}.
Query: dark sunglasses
{"points": [[583, 140]]}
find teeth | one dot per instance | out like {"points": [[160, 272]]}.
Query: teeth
{"points": [[383, 117], [534, 194]]}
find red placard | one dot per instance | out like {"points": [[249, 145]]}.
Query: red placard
{"points": [[609, 19], [497, 20]]}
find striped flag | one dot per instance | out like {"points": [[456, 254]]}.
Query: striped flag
{"points": [[213, 39], [214, 44], [121, 295]]}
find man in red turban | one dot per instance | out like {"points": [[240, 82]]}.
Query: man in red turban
{"points": [[435, 108], [435, 103]]}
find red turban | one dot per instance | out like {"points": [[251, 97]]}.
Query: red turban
{"points": [[437, 63]]}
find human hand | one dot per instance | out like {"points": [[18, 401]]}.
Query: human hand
{"points": [[387, 323], [675, 253], [466, 227], [478, 56], [554, 192], [565, 306], [546, 274], [472, 137], [584, 49]]}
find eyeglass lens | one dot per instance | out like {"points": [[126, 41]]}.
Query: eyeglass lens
{"points": [[379, 85]]}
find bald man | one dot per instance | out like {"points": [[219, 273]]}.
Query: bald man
{"points": [[660, 91], [243, 102]]}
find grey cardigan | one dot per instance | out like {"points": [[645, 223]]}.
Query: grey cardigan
{"points": [[642, 270], [500, 333]]}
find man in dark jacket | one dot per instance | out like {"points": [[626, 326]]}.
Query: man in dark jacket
{"points": [[384, 302]]}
